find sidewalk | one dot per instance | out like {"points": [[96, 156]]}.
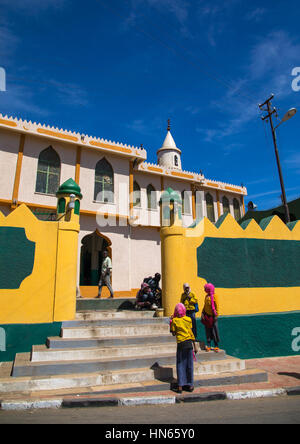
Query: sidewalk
{"points": [[283, 379]]}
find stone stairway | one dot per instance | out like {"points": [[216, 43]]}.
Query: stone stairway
{"points": [[115, 351]]}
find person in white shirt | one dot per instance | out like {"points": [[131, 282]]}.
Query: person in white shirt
{"points": [[105, 276]]}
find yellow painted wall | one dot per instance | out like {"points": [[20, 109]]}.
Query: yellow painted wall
{"points": [[179, 265], [49, 293]]}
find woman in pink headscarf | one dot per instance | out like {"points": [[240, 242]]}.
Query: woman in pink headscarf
{"points": [[181, 327], [209, 317]]}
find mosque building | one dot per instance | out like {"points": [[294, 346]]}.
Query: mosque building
{"points": [[119, 209]]}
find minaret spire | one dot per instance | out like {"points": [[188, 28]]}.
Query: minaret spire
{"points": [[169, 155]]}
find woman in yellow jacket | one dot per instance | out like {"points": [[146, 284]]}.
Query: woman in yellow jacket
{"points": [[181, 327], [189, 300]]}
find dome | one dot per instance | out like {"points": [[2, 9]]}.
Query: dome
{"points": [[69, 187]]}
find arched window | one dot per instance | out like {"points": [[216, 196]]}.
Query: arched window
{"points": [[236, 209], [151, 197], [104, 182], [210, 207], [225, 203], [186, 207], [136, 194], [48, 172], [176, 160]]}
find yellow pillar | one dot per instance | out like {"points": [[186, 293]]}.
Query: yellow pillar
{"points": [[66, 271], [68, 212], [173, 263]]}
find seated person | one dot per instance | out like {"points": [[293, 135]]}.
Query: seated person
{"points": [[145, 298], [153, 283]]}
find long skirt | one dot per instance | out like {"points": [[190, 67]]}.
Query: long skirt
{"points": [[212, 334], [184, 366]]}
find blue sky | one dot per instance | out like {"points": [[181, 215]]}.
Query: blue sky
{"points": [[118, 69]]}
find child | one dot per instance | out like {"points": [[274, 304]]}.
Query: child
{"points": [[181, 327], [210, 317]]}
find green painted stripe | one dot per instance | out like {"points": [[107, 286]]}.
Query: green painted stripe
{"points": [[19, 338], [17, 257], [258, 336], [247, 263]]}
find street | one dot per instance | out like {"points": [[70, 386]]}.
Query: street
{"points": [[276, 410]]}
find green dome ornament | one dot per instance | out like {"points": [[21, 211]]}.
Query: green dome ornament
{"points": [[68, 198], [69, 187]]}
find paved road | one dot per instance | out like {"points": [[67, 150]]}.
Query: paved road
{"points": [[283, 410]]}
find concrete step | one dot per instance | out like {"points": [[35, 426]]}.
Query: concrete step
{"points": [[91, 315], [121, 331], [135, 380], [115, 322], [75, 381], [58, 342], [41, 353], [218, 365], [105, 304], [153, 357], [24, 367]]}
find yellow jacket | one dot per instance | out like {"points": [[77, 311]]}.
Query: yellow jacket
{"points": [[189, 303], [207, 305], [182, 327]]}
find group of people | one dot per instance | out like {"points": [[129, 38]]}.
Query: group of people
{"points": [[182, 323], [183, 326], [149, 295]]}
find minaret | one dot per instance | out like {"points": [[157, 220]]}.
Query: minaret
{"points": [[169, 155]]}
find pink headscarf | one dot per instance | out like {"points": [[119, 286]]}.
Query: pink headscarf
{"points": [[209, 289], [145, 287], [179, 311]]}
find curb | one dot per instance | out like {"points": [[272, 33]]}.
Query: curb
{"points": [[147, 400]]}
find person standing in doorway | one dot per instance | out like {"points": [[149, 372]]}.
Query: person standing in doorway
{"points": [[105, 276]]}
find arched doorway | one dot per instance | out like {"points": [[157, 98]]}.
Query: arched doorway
{"points": [[91, 257]]}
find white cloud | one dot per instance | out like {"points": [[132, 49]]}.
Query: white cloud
{"points": [[269, 193], [293, 162], [18, 99], [265, 72], [256, 15]]}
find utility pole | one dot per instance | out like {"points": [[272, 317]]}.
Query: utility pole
{"points": [[266, 106]]}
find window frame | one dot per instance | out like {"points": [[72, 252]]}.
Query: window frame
{"points": [[236, 208], [150, 207], [42, 173], [136, 189], [210, 207], [104, 173], [223, 198]]}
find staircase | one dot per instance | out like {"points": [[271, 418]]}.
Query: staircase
{"points": [[116, 350]]}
